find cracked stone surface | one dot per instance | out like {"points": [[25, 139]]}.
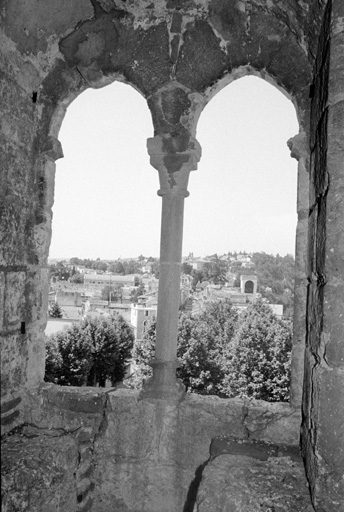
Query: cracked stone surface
{"points": [[178, 55], [236, 483]]}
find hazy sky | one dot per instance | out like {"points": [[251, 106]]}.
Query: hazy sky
{"points": [[242, 197]]}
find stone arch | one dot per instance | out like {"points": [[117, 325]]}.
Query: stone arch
{"points": [[248, 283], [299, 151], [178, 62], [249, 287], [106, 168], [184, 49]]}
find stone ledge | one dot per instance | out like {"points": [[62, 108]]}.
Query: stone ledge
{"points": [[233, 483], [78, 400]]}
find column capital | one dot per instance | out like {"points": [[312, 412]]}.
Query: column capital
{"points": [[174, 158], [298, 146]]}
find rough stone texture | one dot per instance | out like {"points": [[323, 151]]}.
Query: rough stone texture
{"points": [[120, 451], [178, 55], [323, 405], [160, 448], [233, 483], [37, 468]]}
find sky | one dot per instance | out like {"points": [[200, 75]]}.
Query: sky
{"points": [[242, 196]]}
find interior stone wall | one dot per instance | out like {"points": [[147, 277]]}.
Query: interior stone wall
{"points": [[177, 55], [323, 404], [96, 449]]}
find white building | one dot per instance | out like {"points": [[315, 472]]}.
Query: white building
{"points": [[141, 314]]}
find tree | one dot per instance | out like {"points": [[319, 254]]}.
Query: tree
{"points": [[131, 267], [187, 268], [59, 271], [55, 311], [258, 359], [201, 347], [226, 354], [197, 277], [135, 294], [77, 278], [68, 357], [276, 279], [89, 353], [111, 340], [111, 293], [201, 343], [215, 270], [119, 268]]}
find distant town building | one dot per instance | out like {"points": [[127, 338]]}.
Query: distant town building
{"points": [[248, 284], [141, 314], [101, 280]]}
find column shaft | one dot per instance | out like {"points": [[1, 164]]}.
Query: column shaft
{"points": [[169, 278], [174, 168]]}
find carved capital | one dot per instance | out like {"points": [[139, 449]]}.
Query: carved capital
{"points": [[174, 158], [298, 146]]}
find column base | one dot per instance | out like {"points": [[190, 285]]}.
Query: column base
{"points": [[164, 384]]}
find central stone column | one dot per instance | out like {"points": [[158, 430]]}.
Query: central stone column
{"points": [[174, 169]]}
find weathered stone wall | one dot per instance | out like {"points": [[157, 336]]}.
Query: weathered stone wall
{"points": [[178, 55], [323, 404], [86, 448], [25, 234]]}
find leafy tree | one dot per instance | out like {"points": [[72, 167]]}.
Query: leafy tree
{"points": [[215, 270], [118, 268], [224, 354], [135, 294], [143, 352], [258, 359], [276, 278], [100, 265], [55, 311], [197, 277], [77, 278], [111, 341], [59, 271], [187, 268], [201, 343], [156, 269], [111, 293], [131, 267], [90, 353], [75, 261], [201, 347], [68, 357]]}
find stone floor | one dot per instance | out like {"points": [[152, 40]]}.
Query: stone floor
{"points": [[246, 476]]}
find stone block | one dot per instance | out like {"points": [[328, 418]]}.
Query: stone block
{"points": [[70, 408], [273, 422], [37, 472], [11, 413], [330, 439], [133, 485], [14, 311], [2, 299], [132, 430], [200, 43], [233, 483], [14, 358], [78, 400], [35, 367]]}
